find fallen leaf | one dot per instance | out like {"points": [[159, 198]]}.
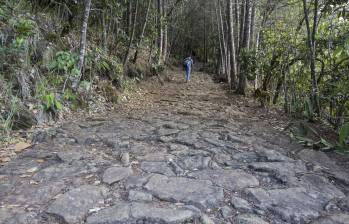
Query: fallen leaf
{"points": [[89, 176], [32, 170], [95, 210], [5, 159], [25, 176], [33, 182], [19, 147], [40, 161]]}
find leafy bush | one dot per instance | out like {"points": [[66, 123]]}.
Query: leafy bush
{"points": [[344, 135], [100, 62], [6, 118], [66, 63], [157, 69], [24, 27], [51, 103]]}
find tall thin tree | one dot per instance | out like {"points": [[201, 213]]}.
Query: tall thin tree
{"points": [[83, 41], [231, 39], [311, 42]]}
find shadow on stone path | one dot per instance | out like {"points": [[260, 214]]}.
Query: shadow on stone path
{"points": [[185, 153]]}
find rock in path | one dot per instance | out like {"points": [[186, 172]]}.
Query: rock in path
{"points": [[134, 195], [116, 174], [157, 167], [240, 204], [125, 213], [248, 219], [74, 205], [333, 219], [293, 205], [229, 179], [200, 193]]}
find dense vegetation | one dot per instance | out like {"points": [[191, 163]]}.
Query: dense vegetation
{"points": [[290, 53]]}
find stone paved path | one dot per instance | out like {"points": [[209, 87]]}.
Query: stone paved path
{"points": [[190, 154]]}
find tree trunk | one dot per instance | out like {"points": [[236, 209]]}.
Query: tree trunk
{"points": [[165, 32], [242, 22], [312, 52], [244, 48], [143, 31], [83, 42], [160, 31], [127, 57], [278, 89], [223, 40], [221, 43], [252, 43], [105, 32], [231, 40], [205, 37], [236, 25], [129, 17]]}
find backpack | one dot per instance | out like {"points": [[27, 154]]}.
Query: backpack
{"points": [[186, 62]]}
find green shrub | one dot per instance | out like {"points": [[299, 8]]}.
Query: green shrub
{"points": [[24, 27], [51, 103], [100, 62], [344, 135], [157, 69], [6, 118], [66, 63]]}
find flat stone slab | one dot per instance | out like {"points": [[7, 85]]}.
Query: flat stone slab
{"points": [[74, 205], [125, 213], [240, 204], [268, 155], [166, 131], [248, 219], [70, 156], [293, 205], [333, 219], [24, 218], [136, 181], [155, 214], [58, 172], [196, 162], [344, 204], [35, 195], [285, 172], [200, 193], [246, 157], [134, 195], [229, 179], [157, 167], [317, 158], [322, 186], [115, 174]]}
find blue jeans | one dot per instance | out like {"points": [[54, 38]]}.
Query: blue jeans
{"points": [[187, 72]]}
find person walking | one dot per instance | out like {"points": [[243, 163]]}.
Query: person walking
{"points": [[188, 64]]}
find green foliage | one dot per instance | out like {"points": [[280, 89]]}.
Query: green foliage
{"points": [[24, 27], [100, 62], [344, 135], [157, 68], [48, 98], [3, 13], [308, 110], [129, 85], [66, 63], [51, 103], [6, 118], [85, 85], [249, 61], [69, 95]]}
